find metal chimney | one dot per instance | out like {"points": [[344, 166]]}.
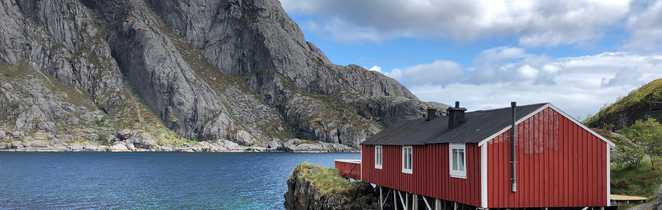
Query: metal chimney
{"points": [[513, 144], [455, 115], [432, 113]]}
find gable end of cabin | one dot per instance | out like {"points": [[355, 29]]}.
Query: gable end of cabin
{"points": [[560, 163]]}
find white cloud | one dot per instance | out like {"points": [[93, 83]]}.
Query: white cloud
{"points": [[645, 27], [439, 72], [535, 23], [580, 85], [376, 68]]}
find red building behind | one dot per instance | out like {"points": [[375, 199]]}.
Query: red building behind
{"points": [[468, 159]]}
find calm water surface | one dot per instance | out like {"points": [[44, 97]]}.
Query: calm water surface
{"points": [[150, 180]]}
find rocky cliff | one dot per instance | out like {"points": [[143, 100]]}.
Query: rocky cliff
{"points": [[181, 71], [640, 104], [314, 187]]}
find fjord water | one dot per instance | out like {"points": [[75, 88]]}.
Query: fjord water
{"points": [[150, 180]]}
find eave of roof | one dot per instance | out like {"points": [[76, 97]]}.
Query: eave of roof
{"points": [[475, 129], [421, 132]]}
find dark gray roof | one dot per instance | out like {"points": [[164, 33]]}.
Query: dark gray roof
{"points": [[478, 126]]}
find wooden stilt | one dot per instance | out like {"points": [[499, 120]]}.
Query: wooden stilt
{"points": [[414, 203], [454, 205], [407, 201], [381, 199], [425, 200], [404, 205], [395, 201], [437, 204]]}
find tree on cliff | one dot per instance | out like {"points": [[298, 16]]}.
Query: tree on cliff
{"points": [[647, 134]]}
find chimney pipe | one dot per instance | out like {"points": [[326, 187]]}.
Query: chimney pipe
{"points": [[455, 115], [513, 144], [432, 113]]}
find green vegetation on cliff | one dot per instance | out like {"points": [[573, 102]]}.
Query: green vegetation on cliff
{"points": [[327, 180], [315, 187], [632, 124], [635, 160], [639, 104]]}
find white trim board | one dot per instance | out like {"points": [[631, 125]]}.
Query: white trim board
{"points": [[548, 105], [483, 176], [608, 175]]}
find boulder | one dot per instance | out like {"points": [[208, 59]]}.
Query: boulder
{"points": [[143, 140], [124, 134], [273, 145], [300, 145], [17, 134], [244, 138], [119, 147]]}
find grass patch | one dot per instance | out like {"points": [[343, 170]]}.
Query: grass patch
{"points": [[326, 180], [170, 138], [640, 181], [14, 71]]}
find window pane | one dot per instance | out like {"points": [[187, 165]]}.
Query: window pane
{"points": [[408, 158], [454, 159], [411, 162], [461, 158]]}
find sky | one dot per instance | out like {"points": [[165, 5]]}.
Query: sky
{"points": [[579, 55]]}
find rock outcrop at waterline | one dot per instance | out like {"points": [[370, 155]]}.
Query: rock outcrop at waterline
{"points": [[206, 70], [312, 187]]}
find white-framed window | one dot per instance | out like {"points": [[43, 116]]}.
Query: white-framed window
{"points": [[378, 157], [407, 159], [458, 160]]}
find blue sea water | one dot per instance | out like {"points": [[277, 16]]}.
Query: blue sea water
{"points": [[150, 180]]}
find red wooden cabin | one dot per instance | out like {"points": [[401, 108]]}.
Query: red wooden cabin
{"points": [[468, 159]]}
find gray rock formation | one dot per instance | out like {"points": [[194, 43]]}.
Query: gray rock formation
{"points": [[207, 70]]}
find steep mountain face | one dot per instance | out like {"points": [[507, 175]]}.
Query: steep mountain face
{"points": [[642, 103], [82, 70]]}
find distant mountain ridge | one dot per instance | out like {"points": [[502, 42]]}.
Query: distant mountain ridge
{"points": [[641, 103], [84, 70]]}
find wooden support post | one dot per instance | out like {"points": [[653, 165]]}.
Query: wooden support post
{"points": [[395, 201], [437, 204], [414, 203], [404, 205], [454, 205], [407, 201], [426, 203], [381, 199]]}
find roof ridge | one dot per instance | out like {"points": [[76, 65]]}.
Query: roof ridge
{"points": [[518, 106]]}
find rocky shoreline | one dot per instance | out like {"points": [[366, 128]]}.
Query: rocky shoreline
{"points": [[136, 141], [217, 146]]}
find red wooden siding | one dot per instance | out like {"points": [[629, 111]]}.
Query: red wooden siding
{"points": [[430, 175], [348, 169], [559, 165]]}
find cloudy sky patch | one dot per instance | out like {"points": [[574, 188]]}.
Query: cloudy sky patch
{"points": [[579, 55]]}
